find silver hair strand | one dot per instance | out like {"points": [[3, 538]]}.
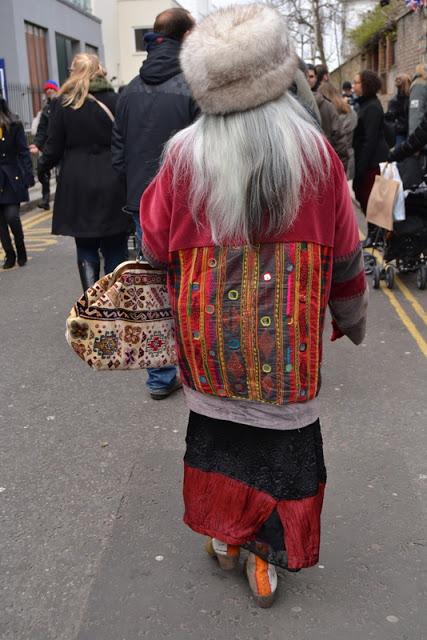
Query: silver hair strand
{"points": [[251, 169]]}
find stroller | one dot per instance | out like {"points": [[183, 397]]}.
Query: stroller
{"points": [[405, 248]]}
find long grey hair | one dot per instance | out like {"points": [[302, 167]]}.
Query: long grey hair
{"points": [[250, 169]]}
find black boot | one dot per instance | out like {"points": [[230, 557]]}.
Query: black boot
{"points": [[22, 253], [9, 260], [89, 273], [44, 204]]}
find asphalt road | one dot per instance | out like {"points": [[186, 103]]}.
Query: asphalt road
{"points": [[91, 540]]}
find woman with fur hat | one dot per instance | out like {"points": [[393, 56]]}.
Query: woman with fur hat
{"points": [[251, 215]]}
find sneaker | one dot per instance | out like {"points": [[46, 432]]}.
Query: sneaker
{"points": [[161, 394], [227, 554], [262, 578]]}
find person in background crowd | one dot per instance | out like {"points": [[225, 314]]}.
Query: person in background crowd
{"points": [[51, 89], [347, 92], [152, 107], [329, 118], [251, 215], [369, 143], [322, 74], [417, 98], [416, 142], [310, 71], [398, 108], [348, 119], [16, 175], [89, 196], [301, 89]]}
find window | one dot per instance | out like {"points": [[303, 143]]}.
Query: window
{"points": [[37, 61], [89, 48], [66, 49], [139, 38], [84, 5]]}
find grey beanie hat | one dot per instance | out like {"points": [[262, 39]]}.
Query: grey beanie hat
{"points": [[239, 58]]}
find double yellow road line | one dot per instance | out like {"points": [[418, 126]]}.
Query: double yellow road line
{"points": [[404, 317], [32, 221]]}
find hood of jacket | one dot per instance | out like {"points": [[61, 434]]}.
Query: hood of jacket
{"points": [[162, 61]]}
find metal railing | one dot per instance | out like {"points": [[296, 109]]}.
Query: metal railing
{"points": [[24, 99]]}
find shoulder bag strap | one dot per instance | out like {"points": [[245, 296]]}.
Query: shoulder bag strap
{"points": [[102, 105]]}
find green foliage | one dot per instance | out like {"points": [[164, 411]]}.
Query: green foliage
{"points": [[376, 23]]}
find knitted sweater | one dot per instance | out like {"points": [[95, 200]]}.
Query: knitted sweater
{"points": [[249, 320]]}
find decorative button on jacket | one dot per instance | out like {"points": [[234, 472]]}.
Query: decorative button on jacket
{"points": [[264, 341]]}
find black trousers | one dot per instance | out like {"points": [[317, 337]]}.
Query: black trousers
{"points": [[44, 179], [9, 218]]}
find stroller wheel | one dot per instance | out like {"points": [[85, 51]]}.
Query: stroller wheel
{"points": [[422, 277], [376, 277], [389, 277]]}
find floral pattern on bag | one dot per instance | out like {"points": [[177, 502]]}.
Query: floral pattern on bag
{"points": [[124, 322]]}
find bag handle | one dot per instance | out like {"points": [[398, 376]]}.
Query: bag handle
{"points": [[132, 264], [102, 105]]}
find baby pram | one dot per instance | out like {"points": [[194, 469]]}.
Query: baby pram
{"points": [[405, 248]]}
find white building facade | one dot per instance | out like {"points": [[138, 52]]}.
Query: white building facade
{"points": [[124, 23]]}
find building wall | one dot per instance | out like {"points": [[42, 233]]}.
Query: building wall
{"points": [[135, 14], [107, 11], [53, 15], [411, 43], [410, 48]]}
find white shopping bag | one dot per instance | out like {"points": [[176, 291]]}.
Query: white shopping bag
{"points": [[391, 172]]}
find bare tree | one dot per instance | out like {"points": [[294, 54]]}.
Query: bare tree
{"points": [[318, 26]]}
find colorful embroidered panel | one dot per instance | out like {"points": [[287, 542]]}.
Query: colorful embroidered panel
{"points": [[249, 321]]}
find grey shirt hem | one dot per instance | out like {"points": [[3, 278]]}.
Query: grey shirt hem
{"points": [[254, 414]]}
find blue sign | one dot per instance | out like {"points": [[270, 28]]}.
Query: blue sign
{"points": [[3, 85]]}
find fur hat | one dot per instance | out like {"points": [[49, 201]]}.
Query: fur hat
{"points": [[239, 58]]}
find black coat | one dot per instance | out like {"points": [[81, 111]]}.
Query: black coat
{"points": [[155, 105], [89, 196], [369, 143], [16, 169], [42, 129], [416, 142], [398, 113]]}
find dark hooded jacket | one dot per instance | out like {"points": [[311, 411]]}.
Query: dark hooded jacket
{"points": [[153, 107]]}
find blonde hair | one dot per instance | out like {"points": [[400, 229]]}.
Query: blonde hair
{"points": [[84, 68], [329, 91], [406, 83]]}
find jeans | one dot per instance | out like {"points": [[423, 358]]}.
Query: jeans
{"points": [[9, 217], [157, 378], [114, 250]]}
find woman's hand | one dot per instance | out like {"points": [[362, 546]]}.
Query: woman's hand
{"points": [[33, 149]]}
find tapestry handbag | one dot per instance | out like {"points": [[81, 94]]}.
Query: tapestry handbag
{"points": [[124, 321], [382, 200]]}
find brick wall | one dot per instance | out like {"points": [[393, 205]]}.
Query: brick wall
{"points": [[388, 59], [410, 48]]}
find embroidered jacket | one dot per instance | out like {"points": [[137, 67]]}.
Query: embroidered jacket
{"points": [[249, 320]]}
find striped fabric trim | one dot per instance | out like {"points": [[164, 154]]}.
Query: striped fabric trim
{"points": [[250, 320]]}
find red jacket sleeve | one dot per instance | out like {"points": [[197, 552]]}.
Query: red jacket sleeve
{"points": [[155, 213], [349, 291]]}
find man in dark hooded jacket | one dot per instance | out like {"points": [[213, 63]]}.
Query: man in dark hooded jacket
{"points": [[154, 106]]}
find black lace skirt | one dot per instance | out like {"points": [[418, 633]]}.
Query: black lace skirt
{"points": [[258, 488]]}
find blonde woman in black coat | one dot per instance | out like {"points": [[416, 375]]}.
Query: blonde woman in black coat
{"points": [[90, 195], [16, 175]]}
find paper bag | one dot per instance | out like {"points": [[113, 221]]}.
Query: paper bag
{"points": [[381, 202]]}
